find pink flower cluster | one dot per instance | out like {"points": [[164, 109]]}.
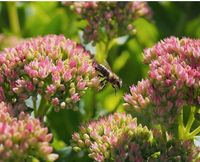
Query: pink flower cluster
{"points": [[103, 138], [139, 95], [112, 19], [57, 68], [173, 80], [119, 138], [23, 137], [135, 146]]}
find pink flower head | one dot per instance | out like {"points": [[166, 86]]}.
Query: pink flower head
{"points": [[20, 136], [139, 96], [173, 80], [101, 137], [115, 18], [46, 66]]}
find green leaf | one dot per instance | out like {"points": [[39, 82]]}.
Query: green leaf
{"points": [[64, 123]]}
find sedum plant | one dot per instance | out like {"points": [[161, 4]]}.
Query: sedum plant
{"points": [[56, 68], [23, 137], [60, 71], [171, 87], [108, 20], [108, 23], [172, 84], [107, 138], [118, 138]]}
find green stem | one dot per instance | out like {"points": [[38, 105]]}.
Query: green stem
{"points": [[195, 132], [184, 132], [191, 119], [43, 107], [181, 128], [164, 135], [34, 100], [13, 17]]}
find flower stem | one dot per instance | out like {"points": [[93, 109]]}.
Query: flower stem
{"points": [[195, 132], [34, 100], [43, 108], [191, 119], [164, 135], [181, 128], [13, 18], [184, 131]]}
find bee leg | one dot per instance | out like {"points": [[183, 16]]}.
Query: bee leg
{"points": [[114, 89], [100, 75], [103, 83]]}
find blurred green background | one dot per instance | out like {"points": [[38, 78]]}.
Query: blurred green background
{"points": [[30, 19]]}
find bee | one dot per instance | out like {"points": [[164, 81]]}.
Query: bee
{"points": [[108, 76]]}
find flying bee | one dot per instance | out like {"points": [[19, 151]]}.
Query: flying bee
{"points": [[107, 76]]}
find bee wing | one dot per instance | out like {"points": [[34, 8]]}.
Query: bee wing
{"points": [[106, 64]]}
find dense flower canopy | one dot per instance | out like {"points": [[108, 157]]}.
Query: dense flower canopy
{"points": [[107, 137], [64, 97], [112, 19], [119, 138], [23, 137], [57, 68], [173, 80]]}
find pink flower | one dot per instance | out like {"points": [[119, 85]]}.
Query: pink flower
{"points": [[67, 75], [81, 85], [102, 138], [19, 136], [173, 80], [47, 66], [30, 86], [51, 89], [110, 17], [29, 127], [139, 96], [75, 97], [55, 101], [72, 63]]}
